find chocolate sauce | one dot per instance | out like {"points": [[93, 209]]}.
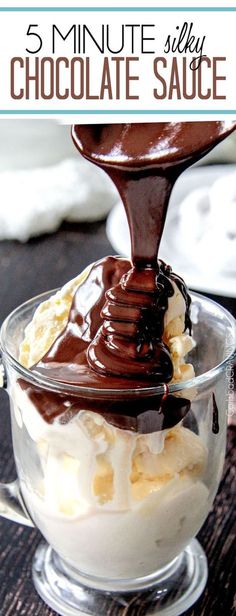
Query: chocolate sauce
{"points": [[66, 361], [144, 413], [215, 416], [114, 335]]}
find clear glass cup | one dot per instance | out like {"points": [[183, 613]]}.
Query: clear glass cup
{"points": [[118, 510]]}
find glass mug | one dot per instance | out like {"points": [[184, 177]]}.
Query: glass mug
{"points": [[118, 510]]}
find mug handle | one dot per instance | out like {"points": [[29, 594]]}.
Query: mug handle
{"points": [[12, 506]]}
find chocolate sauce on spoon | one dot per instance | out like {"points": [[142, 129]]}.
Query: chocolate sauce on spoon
{"points": [[115, 340]]}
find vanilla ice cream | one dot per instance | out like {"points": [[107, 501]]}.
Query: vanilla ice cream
{"points": [[100, 491], [111, 502]]}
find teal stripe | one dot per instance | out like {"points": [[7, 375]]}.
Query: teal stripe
{"points": [[116, 112], [157, 9]]}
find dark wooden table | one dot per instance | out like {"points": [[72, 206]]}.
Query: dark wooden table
{"points": [[26, 270]]}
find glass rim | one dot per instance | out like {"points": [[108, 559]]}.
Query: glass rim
{"points": [[57, 386]]}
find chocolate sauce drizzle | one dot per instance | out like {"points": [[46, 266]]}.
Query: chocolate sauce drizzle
{"points": [[92, 311], [114, 335], [215, 416], [144, 413]]}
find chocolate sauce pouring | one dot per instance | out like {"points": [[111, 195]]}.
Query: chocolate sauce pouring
{"points": [[143, 161], [113, 338]]}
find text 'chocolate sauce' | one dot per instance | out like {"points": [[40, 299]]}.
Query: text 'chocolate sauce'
{"points": [[114, 335]]}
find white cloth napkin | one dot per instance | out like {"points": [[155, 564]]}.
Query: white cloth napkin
{"points": [[36, 201]]}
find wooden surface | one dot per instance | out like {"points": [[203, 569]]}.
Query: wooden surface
{"points": [[26, 270]]}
